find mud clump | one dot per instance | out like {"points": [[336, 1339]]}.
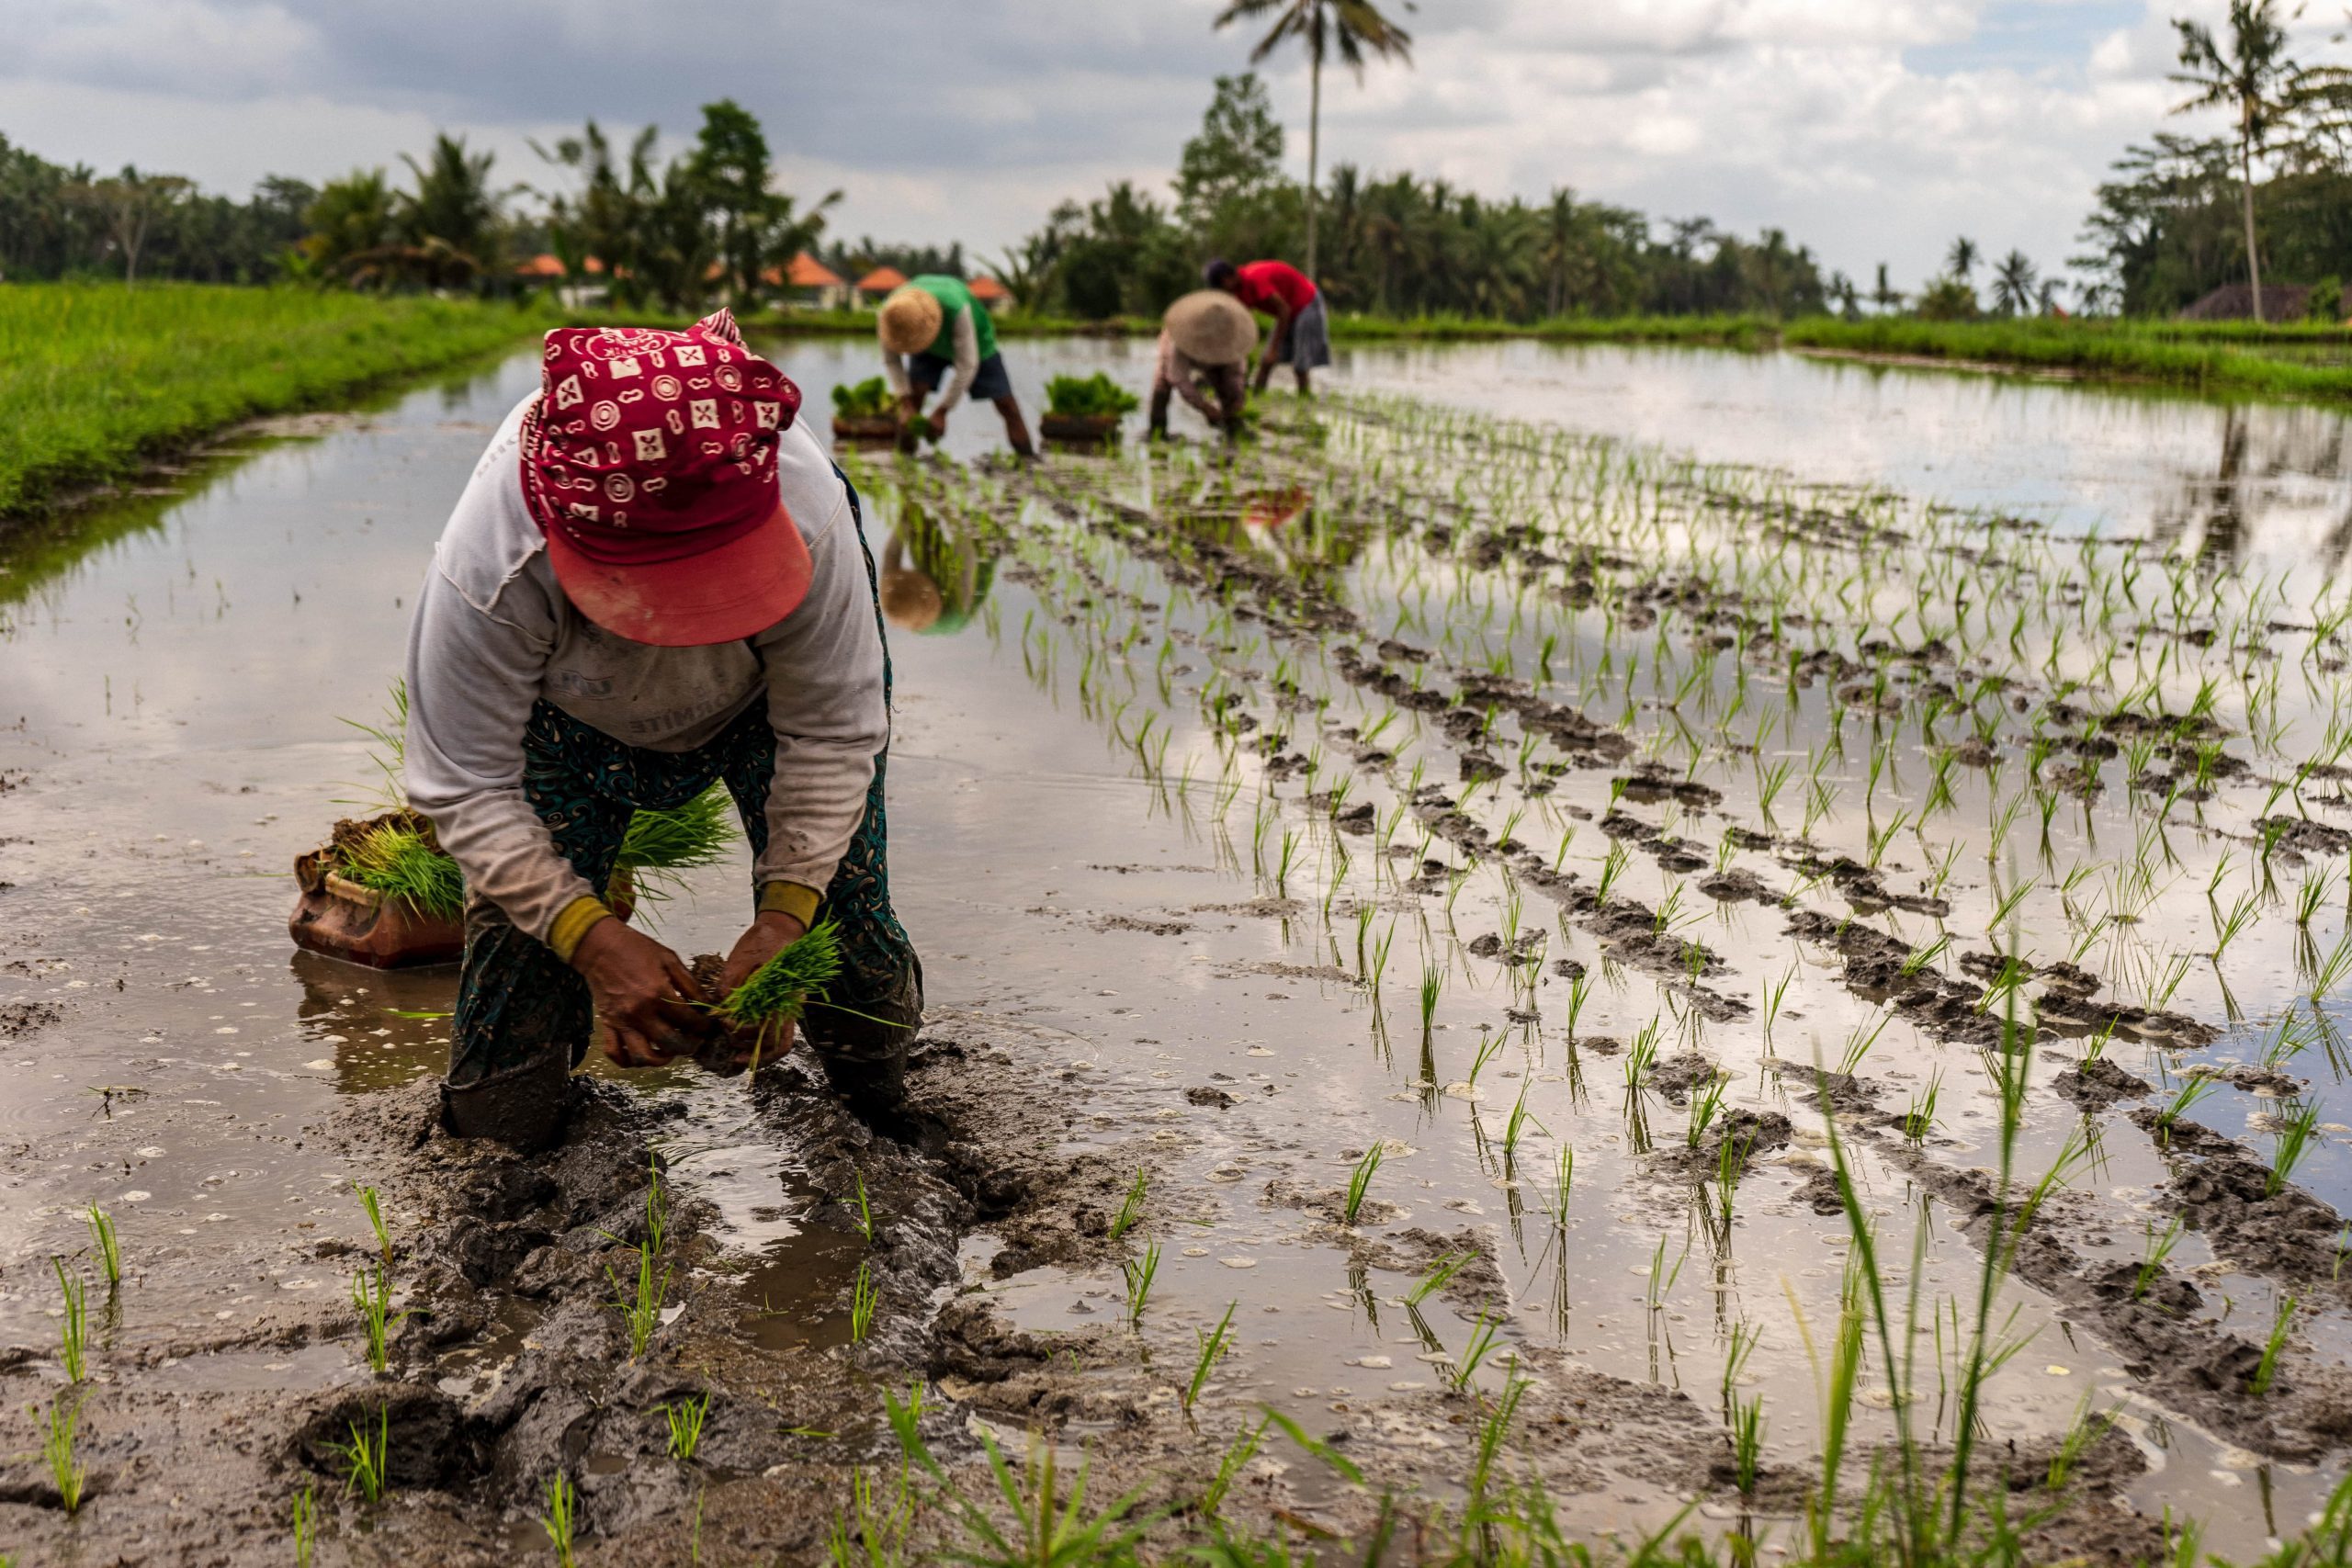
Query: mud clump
{"points": [[2097, 1084]]}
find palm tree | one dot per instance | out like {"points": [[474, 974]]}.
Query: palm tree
{"points": [[2014, 285], [1961, 257], [1351, 27], [1885, 296], [2257, 79]]}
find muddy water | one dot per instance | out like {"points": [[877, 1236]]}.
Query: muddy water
{"points": [[174, 701]]}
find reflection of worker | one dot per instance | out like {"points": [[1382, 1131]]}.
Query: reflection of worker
{"points": [[932, 581], [675, 593], [1302, 337], [1205, 337], [932, 329]]}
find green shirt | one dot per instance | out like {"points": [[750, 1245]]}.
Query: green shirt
{"points": [[953, 296]]}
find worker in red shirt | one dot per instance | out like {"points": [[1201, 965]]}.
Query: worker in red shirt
{"points": [[1302, 337]]}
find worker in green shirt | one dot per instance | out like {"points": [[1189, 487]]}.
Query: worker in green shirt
{"points": [[932, 329]]}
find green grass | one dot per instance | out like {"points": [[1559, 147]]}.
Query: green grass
{"points": [[2221, 357], [100, 379]]}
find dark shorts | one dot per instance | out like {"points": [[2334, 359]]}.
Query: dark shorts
{"points": [[929, 372]]}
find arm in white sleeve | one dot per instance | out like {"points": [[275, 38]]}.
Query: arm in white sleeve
{"points": [[823, 664], [472, 677], [967, 361], [894, 367]]}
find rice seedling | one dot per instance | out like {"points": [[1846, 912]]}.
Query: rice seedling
{"points": [[1139, 1274], [370, 1201], [1432, 984], [1360, 1182], [109, 1254], [1580, 988], [1562, 1185], [1213, 1347], [2180, 1104], [2081, 1433], [1130, 1207], [1739, 1344], [396, 859], [782, 988], [1920, 1119], [2153, 1262], [365, 1457], [1858, 1043], [1612, 867], [2266, 1371], [59, 1427], [640, 1304], [372, 1298], [1747, 1444], [684, 1420], [863, 1300], [1240, 1452], [659, 847], [1474, 1354], [1490, 1047], [559, 1519], [74, 1328], [2296, 1131], [1775, 995], [1706, 1104], [1658, 1280], [306, 1525]]}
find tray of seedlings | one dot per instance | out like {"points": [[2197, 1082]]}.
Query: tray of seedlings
{"points": [[1085, 410], [864, 412], [381, 891]]}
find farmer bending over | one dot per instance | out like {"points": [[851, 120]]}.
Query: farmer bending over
{"points": [[932, 328], [1205, 336], [1302, 337], [655, 580]]}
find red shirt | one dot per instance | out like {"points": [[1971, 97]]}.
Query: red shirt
{"points": [[1265, 284]]}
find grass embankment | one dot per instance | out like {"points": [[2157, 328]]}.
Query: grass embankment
{"points": [[97, 379], [2208, 358]]}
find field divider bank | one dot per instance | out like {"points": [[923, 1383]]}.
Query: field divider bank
{"points": [[103, 380]]}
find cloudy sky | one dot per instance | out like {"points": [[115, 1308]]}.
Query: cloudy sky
{"points": [[1871, 129]]}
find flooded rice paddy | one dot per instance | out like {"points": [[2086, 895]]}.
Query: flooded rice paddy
{"points": [[1461, 850]]}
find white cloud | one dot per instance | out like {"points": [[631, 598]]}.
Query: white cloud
{"points": [[1868, 129]]}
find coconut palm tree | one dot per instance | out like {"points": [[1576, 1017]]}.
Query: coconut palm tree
{"points": [[2015, 283], [1885, 296], [2257, 79], [1351, 28], [1961, 257]]}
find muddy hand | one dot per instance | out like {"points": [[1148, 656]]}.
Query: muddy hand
{"points": [[643, 994], [767, 935]]}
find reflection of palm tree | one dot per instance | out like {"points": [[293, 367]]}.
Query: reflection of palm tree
{"points": [[1353, 27], [2217, 505]]}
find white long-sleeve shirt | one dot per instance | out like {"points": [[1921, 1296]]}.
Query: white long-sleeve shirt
{"points": [[968, 366], [493, 633]]}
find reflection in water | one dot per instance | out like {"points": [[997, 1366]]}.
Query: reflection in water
{"points": [[2271, 462], [932, 580], [381, 1027]]}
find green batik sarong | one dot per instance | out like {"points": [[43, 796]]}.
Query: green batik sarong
{"points": [[521, 1010]]}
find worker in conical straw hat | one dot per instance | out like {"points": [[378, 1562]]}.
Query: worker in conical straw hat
{"points": [[932, 330], [1206, 339], [655, 581]]}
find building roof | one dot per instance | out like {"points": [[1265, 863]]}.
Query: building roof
{"points": [[540, 265], [988, 290], [2234, 302], [881, 280], [805, 271]]}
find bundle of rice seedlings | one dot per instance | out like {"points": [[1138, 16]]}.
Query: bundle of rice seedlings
{"points": [[396, 857], [660, 844], [780, 990]]}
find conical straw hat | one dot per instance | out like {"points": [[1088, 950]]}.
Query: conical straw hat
{"points": [[1212, 327], [910, 319]]}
